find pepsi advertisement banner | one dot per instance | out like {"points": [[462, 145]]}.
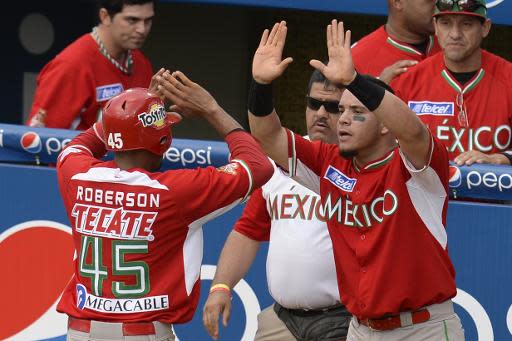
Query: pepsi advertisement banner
{"points": [[36, 249], [22, 144], [499, 10], [42, 146]]}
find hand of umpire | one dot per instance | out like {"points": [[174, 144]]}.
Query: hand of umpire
{"points": [[340, 68], [218, 302], [267, 63]]}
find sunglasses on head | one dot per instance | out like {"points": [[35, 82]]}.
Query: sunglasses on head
{"points": [[463, 5], [332, 107]]}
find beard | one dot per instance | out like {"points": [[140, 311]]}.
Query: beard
{"points": [[347, 154]]}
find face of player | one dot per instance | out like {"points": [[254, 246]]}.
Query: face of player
{"points": [[460, 36], [358, 128], [130, 27], [418, 15], [321, 124]]}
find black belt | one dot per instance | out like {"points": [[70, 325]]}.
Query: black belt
{"points": [[314, 312]]}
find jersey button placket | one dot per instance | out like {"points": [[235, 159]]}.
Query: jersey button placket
{"points": [[363, 236]]}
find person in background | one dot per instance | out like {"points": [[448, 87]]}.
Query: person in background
{"points": [[301, 274], [406, 39], [73, 87], [463, 94]]}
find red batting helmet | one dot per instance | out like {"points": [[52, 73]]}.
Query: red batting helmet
{"points": [[136, 119]]}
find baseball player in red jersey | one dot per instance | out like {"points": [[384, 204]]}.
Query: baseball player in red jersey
{"points": [[405, 39], [138, 232], [463, 94], [385, 203], [301, 274], [95, 67]]}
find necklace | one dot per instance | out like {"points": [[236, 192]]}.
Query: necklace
{"points": [[126, 68]]}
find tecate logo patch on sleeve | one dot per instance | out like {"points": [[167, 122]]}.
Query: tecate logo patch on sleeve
{"points": [[340, 180], [106, 92], [432, 108]]}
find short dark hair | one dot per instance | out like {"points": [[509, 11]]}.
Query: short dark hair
{"points": [[318, 77], [115, 6]]}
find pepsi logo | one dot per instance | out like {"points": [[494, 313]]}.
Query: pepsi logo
{"points": [[455, 177], [37, 264], [31, 142]]}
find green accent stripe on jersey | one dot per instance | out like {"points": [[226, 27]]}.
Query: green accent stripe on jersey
{"points": [[403, 47], [455, 85], [292, 161], [446, 331], [379, 163]]}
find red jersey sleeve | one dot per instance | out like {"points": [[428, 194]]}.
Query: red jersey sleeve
{"points": [[255, 220], [80, 154], [63, 89], [306, 160], [205, 193]]}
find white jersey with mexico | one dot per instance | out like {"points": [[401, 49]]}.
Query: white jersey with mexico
{"points": [[387, 224], [138, 235], [300, 262]]}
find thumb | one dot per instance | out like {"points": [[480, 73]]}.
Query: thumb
{"points": [[317, 65], [284, 64]]}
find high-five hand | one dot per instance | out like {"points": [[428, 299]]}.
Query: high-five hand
{"points": [[267, 64], [340, 68]]}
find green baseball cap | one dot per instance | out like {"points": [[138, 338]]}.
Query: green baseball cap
{"points": [[476, 8]]}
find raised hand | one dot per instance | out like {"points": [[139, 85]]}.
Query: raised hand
{"points": [[267, 63], [217, 303], [340, 68], [189, 98]]}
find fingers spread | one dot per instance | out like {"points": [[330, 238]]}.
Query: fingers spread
{"points": [[272, 34]]}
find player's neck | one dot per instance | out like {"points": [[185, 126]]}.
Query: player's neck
{"points": [[469, 64], [115, 51], [137, 159], [400, 33]]}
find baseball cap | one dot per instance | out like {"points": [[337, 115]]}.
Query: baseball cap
{"points": [[476, 8]]}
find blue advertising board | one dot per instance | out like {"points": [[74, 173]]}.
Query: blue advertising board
{"points": [[499, 10], [36, 248]]}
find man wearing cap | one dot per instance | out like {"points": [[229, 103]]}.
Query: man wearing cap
{"points": [[463, 93], [406, 39]]}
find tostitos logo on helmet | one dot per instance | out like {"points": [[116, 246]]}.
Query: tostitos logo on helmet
{"points": [[136, 119]]}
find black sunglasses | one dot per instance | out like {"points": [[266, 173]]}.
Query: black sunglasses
{"points": [[464, 5], [332, 107]]}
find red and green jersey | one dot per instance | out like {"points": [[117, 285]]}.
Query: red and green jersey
{"points": [[387, 224], [138, 235], [74, 86], [376, 51], [440, 101]]}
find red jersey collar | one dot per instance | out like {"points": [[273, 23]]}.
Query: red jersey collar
{"points": [[408, 48], [376, 163]]}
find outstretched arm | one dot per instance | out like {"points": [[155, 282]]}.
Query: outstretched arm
{"points": [[267, 66], [411, 133]]}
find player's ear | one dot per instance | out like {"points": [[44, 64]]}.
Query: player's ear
{"points": [[104, 16]]}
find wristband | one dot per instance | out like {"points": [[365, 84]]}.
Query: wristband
{"points": [[260, 101], [369, 93], [221, 287], [508, 155]]}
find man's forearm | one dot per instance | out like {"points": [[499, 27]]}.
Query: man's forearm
{"points": [[235, 259]]}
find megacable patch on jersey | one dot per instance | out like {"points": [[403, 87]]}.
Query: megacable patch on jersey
{"points": [[340, 180], [432, 108]]}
